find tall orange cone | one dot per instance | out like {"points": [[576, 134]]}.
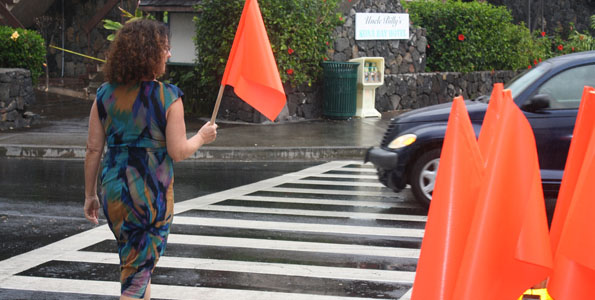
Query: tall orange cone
{"points": [[576, 154], [574, 269], [488, 127], [451, 209], [508, 248]]}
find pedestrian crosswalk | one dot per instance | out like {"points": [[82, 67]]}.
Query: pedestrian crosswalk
{"points": [[326, 232]]}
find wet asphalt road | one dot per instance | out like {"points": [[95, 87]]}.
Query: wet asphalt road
{"points": [[41, 200], [329, 231]]}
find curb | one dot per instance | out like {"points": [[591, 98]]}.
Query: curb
{"points": [[205, 154], [82, 94]]}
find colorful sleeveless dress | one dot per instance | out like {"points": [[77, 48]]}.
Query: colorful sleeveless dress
{"points": [[137, 176]]}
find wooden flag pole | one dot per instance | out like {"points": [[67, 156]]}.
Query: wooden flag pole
{"points": [[217, 103]]}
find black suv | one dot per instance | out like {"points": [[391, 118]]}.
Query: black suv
{"points": [[548, 94]]}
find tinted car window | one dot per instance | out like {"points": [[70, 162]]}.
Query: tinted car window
{"points": [[518, 84], [566, 88]]}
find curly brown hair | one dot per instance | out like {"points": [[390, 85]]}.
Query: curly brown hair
{"points": [[137, 52]]}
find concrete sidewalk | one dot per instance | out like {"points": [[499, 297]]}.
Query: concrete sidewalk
{"points": [[62, 132]]}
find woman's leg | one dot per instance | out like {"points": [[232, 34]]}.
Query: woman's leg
{"points": [[147, 294], [148, 291], [136, 283]]}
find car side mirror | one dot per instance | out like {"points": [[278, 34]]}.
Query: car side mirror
{"points": [[537, 103]]}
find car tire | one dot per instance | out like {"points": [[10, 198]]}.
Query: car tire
{"points": [[423, 176]]}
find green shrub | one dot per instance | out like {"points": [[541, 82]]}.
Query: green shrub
{"points": [[580, 42], [21, 48], [300, 32], [473, 36], [567, 40], [115, 25]]}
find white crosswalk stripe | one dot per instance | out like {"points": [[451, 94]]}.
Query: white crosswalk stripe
{"points": [[304, 227], [292, 246], [339, 183], [321, 201], [303, 212], [256, 267], [384, 193], [330, 227]]}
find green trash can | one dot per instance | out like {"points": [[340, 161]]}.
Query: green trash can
{"points": [[339, 89]]}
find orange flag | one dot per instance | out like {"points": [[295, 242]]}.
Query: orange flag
{"points": [[574, 268], [486, 135], [576, 154], [251, 68], [508, 248], [451, 209]]}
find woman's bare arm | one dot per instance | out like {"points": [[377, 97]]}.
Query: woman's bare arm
{"points": [[179, 147], [95, 142]]}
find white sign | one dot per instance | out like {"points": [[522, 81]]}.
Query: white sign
{"points": [[381, 26]]}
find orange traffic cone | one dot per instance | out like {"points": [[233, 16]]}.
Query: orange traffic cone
{"points": [[488, 128], [574, 269], [508, 248], [576, 154], [451, 209]]}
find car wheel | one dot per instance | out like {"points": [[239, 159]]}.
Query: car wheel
{"points": [[423, 176]]}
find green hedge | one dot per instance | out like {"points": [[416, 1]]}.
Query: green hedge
{"points": [[300, 32], [473, 36], [21, 48], [566, 39]]}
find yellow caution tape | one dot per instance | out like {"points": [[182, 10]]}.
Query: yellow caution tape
{"points": [[80, 54]]}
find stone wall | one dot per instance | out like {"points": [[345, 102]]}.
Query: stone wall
{"points": [[303, 102], [16, 95], [550, 14], [415, 90], [399, 92]]}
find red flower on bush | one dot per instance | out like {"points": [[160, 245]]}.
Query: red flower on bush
{"points": [[289, 71], [535, 61], [543, 33], [560, 47], [529, 67], [290, 51], [461, 37], [540, 59], [572, 49]]}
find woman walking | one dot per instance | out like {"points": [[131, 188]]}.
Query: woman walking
{"points": [[142, 121]]}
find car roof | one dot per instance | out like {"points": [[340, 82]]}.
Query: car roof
{"points": [[573, 57]]}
